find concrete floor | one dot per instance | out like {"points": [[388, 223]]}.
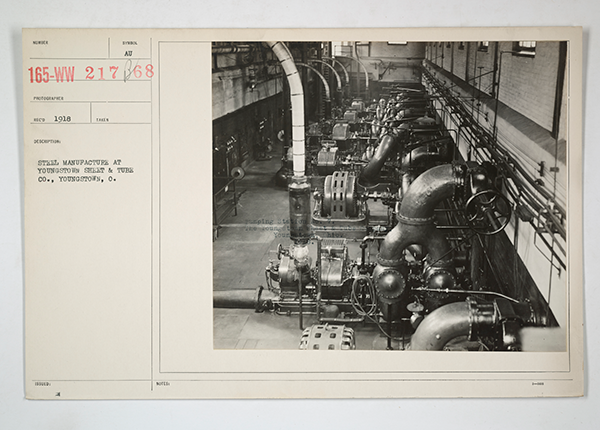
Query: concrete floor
{"points": [[241, 252]]}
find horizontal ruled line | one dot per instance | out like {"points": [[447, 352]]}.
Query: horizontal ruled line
{"points": [[105, 80], [89, 59], [90, 123], [315, 380], [367, 372], [90, 380], [89, 101]]}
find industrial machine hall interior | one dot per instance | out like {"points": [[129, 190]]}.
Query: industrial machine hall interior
{"points": [[390, 196]]}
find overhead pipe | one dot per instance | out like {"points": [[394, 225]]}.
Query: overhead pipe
{"points": [[337, 76], [325, 84], [334, 61], [363, 67], [231, 49]]}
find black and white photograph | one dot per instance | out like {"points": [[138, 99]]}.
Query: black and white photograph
{"points": [[390, 195]]}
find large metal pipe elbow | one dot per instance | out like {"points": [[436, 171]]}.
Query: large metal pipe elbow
{"points": [[428, 191], [370, 174], [441, 326], [415, 226]]}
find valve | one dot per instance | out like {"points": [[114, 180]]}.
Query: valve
{"points": [[488, 212]]}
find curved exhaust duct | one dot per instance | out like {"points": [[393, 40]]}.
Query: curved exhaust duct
{"points": [[334, 61], [361, 65], [501, 319], [429, 152], [337, 76], [299, 187], [325, 84], [297, 100], [441, 326], [370, 174]]}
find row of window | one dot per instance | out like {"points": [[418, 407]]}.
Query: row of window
{"points": [[523, 47]]}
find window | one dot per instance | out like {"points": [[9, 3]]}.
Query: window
{"points": [[524, 48], [342, 48], [483, 46], [363, 49], [397, 43]]}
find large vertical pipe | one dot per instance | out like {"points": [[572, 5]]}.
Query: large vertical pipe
{"points": [[363, 67], [327, 113], [337, 76], [299, 188], [297, 99], [325, 84], [334, 61]]}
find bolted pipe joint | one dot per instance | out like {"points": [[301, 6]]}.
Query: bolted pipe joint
{"points": [[439, 278], [415, 227], [390, 284]]}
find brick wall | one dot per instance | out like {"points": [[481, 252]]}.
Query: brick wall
{"points": [[528, 85], [530, 275], [460, 60]]}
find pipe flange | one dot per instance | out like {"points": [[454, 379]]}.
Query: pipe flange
{"points": [[472, 305], [257, 294], [459, 172], [440, 280], [415, 221], [391, 263], [392, 292], [436, 271]]}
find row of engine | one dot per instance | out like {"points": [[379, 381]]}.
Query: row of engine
{"points": [[385, 179]]}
